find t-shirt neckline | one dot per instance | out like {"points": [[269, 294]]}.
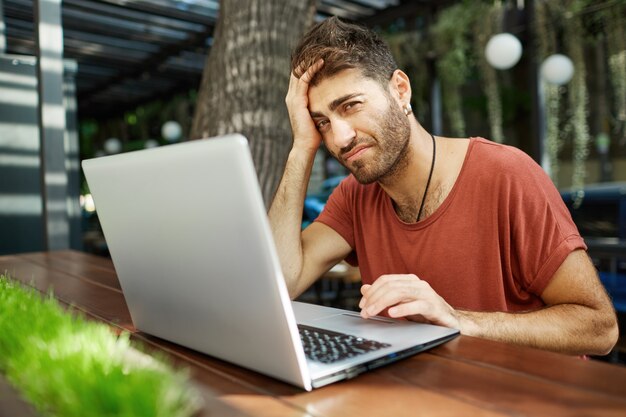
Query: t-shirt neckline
{"points": [[446, 203]]}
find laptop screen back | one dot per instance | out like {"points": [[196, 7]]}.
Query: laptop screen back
{"points": [[190, 240]]}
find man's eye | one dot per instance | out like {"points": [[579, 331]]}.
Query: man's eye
{"points": [[322, 124], [351, 105]]}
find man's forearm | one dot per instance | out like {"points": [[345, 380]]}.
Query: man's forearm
{"points": [[285, 214], [566, 328]]}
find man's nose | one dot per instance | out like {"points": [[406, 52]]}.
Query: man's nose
{"points": [[343, 133]]}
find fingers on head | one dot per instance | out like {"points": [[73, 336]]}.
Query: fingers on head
{"points": [[305, 71], [299, 70]]}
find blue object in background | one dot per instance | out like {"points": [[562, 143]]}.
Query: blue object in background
{"points": [[615, 284], [312, 208], [601, 220], [314, 203], [602, 209]]}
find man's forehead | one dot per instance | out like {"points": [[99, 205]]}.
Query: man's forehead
{"points": [[344, 83]]}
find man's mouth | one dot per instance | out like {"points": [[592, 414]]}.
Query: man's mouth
{"points": [[355, 152]]}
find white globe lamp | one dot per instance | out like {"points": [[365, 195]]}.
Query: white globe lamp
{"points": [[503, 51], [171, 131], [112, 146], [557, 69]]}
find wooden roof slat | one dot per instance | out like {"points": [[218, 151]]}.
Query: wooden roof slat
{"points": [[103, 9], [123, 44]]}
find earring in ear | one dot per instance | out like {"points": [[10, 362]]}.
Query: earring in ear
{"points": [[407, 109]]}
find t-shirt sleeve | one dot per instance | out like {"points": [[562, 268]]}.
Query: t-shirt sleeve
{"points": [[337, 213], [543, 233]]}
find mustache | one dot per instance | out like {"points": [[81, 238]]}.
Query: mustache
{"points": [[356, 142]]}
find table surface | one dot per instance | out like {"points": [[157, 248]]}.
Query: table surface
{"points": [[464, 377]]}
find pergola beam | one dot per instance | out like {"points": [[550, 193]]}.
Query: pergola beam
{"points": [[51, 114]]}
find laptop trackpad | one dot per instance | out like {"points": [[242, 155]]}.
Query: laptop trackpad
{"points": [[354, 323]]}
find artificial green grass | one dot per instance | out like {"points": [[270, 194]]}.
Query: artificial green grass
{"points": [[67, 366]]}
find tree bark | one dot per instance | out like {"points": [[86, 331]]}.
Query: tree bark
{"points": [[246, 76]]}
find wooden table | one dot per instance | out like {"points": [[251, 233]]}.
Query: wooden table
{"points": [[464, 377]]}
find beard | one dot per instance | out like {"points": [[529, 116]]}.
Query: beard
{"points": [[390, 143]]}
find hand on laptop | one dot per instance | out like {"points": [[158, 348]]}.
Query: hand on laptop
{"points": [[305, 133], [407, 296]]}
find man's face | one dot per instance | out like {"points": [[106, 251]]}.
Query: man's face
{"points": [[361, 124]]}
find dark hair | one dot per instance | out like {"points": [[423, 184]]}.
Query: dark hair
{"points": [[343, 45]]}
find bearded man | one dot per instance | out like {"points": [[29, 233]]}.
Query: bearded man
{"points": [[458, 232]]}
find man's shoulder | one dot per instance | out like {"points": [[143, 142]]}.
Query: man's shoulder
{"points": [[504, 167], [499, 156]]}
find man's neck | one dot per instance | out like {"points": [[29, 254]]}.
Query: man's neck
{"points": [[406, 186]]}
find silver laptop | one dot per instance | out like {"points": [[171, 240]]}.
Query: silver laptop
{"points": [[191, 243]]}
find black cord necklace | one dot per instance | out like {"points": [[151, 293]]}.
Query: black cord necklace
{"points": [[430, 175]]}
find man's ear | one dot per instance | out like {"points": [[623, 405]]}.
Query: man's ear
{"points": [[400, 86]]}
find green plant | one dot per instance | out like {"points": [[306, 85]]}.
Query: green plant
{"points": [[459, 36], [578, 94], [564, 26], [547, 45], [68, 366], [616, 50], [450, 39], [410, 50], [482, 32]]}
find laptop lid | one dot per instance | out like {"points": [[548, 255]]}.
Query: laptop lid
{"points": [[191, 243], [194, 253]]}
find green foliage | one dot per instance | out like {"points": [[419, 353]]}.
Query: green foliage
{"points": [[614, 20], [136, 126], [459, 36], [578, 94], [453, 48], [410, 50], [574, 27], [68, 366]]}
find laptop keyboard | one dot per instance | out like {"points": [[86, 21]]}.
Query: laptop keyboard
{"points": [[327, 346]]}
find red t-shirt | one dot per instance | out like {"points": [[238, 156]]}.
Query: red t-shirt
{"points": [[492, 245]]}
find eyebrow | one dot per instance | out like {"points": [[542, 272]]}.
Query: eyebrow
{"points": [[336, 103]]}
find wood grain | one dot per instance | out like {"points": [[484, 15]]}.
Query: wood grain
{"points": [[464, 377]]}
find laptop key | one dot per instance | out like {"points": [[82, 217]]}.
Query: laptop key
{"points": [[327, 346]]}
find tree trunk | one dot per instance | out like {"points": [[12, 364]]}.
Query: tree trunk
{"points": [[246, 76]]}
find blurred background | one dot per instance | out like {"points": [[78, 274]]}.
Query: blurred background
{"points": [[85, 78]]}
